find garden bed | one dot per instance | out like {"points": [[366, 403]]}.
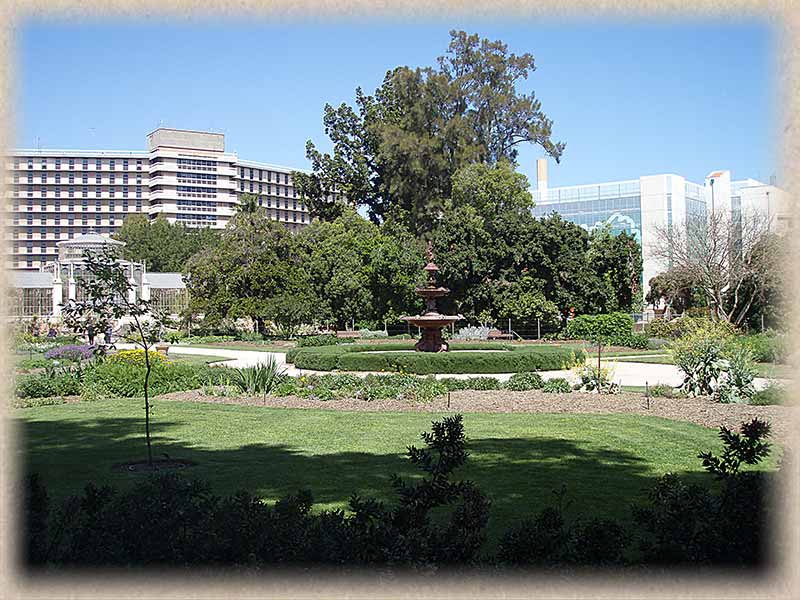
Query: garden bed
{"points": [[701, 411], [363, 357]]}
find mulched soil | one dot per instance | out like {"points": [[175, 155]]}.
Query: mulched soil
{"points": [[701, 411]]}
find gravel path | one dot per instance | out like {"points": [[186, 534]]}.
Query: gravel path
{"points": [[695, 410]]}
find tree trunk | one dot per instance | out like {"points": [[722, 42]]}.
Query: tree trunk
{"points": [[260, 327]]}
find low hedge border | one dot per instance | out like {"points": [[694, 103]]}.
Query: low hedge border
{"points": [[363, 357]]}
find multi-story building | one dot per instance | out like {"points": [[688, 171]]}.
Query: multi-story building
{"points": [[186, 176], [644, 206]]}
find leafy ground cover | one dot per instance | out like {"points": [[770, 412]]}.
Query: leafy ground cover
{"points": [[606, 461]]}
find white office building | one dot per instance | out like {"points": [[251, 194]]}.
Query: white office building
{"points": [[187, 176], [641, 206]]}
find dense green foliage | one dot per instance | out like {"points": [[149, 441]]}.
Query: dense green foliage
{"points": [[361, 357], [247, 273], [591, 327], [358, 271], [163, 246], [397, 151]]}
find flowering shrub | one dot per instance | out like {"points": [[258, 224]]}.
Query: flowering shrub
{"points": [[136, 357], [70, 352], [472, 333], [700, 356]]}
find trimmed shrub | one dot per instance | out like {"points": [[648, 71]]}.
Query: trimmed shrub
{"points": [[658, 328], [310, 341], [557, 385], [521, 382], [361, 357], [588, 327]]}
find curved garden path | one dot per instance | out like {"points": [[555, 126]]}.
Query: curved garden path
{"points": [[625, 373]]}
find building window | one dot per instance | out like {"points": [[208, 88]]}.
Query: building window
{"points": [[112, 164], [71, 163], [85, 164]]}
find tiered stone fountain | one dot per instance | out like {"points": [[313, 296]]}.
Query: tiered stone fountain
{"points": [[431, 322]]}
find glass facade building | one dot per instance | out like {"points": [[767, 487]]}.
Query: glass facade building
{"points": [[642, 207]]}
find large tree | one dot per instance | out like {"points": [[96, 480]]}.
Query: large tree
{"points": [[253, 263], [161, 245], [617, 258], [730, 258], [359, 272], [396, 152]]}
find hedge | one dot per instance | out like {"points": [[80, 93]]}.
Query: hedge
{"points": [[361, 357], [587, 327]]}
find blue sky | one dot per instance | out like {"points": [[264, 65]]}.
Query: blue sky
{"points": [[628, 98]]}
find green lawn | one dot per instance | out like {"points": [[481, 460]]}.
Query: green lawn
{"points": [[606, 461]]}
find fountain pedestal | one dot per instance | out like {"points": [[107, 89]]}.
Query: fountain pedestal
{"points": [[431, 322]]}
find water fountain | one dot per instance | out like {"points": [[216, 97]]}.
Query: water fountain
{"points": [[431, 322]]}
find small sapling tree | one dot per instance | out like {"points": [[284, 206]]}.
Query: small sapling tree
{"points": [[108, 299]]}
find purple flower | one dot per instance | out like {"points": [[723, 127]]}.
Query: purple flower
{"points": [[70, 352]]}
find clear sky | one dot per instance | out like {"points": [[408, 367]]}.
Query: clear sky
{"points": [[628, 98]]}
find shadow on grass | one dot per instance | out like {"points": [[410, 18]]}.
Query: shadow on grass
{"points": [[520, 475]]}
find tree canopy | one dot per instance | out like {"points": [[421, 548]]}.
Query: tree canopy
{"points": [[396, 151], [161, 245]]}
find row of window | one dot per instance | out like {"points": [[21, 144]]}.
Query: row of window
{"points": [[70, 163], [197, 205], [262, 174]]}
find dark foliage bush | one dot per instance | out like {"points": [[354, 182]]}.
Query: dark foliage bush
{"points": [[557, 385], [521, 382], [42, 385], [688, 524]]}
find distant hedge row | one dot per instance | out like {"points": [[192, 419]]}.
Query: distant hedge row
{"points": [[363, 357]]}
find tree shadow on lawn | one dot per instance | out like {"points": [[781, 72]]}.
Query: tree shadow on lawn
{"points": [[519, 475]]}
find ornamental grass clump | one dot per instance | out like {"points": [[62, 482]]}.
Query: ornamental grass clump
{"points": [[258, 379]]}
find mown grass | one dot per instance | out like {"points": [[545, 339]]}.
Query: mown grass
{"points": [[607, 462]]}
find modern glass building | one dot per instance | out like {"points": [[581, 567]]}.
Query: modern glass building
{"points": [[642, 206]]}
